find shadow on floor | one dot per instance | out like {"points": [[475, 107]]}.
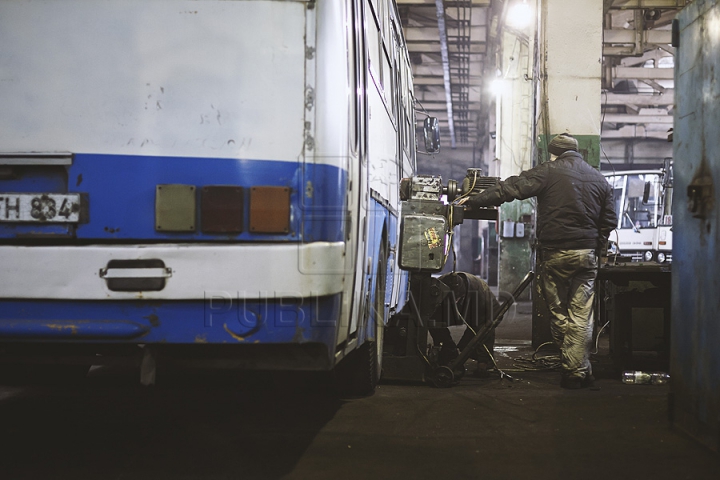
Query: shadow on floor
{"points": [[208, 425]]}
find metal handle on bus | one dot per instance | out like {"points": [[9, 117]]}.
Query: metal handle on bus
{"points": [[136, 272]]}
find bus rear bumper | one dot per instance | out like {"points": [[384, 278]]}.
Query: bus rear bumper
{"points": [[248, 330]]}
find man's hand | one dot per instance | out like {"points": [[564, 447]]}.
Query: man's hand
{"points": [[477, 201]]}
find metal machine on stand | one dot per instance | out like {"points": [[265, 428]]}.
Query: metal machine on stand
{"points": [[429, 213]]}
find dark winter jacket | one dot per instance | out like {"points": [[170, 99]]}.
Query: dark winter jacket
{"points": [[575, 203]]}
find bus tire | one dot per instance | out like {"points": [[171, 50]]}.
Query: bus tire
{"points": [[358, 375]]}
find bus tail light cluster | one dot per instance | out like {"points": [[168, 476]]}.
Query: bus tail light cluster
{"points": [[175, 208], [222, 209], [270, 210]]}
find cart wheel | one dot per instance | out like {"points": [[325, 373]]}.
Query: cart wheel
{"points": [[443, 377]]}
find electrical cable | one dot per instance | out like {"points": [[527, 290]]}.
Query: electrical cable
{"points": [[449, 234], [462, 198], [597, 339], [454, 268], [457, 310], [502, 372], [423, 355], [538, 364]]}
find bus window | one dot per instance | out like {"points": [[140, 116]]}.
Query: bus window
{"points": [[635, 212]]}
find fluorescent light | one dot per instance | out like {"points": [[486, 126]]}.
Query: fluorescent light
{"points": [[497, 87], [520, 15]]}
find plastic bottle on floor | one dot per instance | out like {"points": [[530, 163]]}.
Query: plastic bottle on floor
{"points": [[636, 377], [659, 378]]}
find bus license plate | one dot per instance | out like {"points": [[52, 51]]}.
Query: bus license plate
{"points": [[40, 207]]}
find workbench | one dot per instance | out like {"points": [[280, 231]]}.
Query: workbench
{"points": [[635, 299]]}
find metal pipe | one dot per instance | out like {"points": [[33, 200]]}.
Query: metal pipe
{"points": [[440, 8]]}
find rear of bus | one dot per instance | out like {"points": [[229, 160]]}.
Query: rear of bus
{"points": [[154, 188]]}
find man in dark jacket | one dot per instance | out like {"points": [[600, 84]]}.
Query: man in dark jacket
{"points": [[575, 215]]}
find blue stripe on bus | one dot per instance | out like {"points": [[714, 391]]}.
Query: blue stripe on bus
{"points": [[121, 195], [217, 320], [381, 218]]}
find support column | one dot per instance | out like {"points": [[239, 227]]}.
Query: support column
{"points": [[514, 149], [569, 100], [571, 69]]}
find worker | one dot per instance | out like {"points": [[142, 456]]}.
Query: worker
{"points": [[472, 299], [575, 215]]}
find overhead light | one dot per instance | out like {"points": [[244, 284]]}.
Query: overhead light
{"points": [[497, 86], [520, 15]]}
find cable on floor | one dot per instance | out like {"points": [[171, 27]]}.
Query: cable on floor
{"points": [[502, 372], [538, 363]]}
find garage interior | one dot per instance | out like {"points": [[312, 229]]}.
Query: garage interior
{"points": [[502, 77]]}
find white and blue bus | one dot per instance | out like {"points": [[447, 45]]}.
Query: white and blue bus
{"points": [[207, 181]]}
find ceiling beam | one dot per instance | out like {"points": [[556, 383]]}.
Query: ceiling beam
{"points": [[627, 118], [655, 85], [633, 4], [633, 131], [420, 3], [437, 52], [446, 68], [434, 54], [618, 35], [640, 73], [654, 55], [435, 103], [436, 42], [667, 98], [432, 47]]}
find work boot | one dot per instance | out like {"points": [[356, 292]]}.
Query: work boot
{"points": [[571, 383], [576, 383], [588, 382]]}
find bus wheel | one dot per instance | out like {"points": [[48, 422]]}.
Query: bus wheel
{"points": [[359, 374]]}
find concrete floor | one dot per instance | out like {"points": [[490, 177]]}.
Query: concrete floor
{"points": [[220, 425]]}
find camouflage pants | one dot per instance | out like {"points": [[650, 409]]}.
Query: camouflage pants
{"points": [[567, 281]]}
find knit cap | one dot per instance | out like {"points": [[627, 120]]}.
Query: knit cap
{"points": [[562, 143]]}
